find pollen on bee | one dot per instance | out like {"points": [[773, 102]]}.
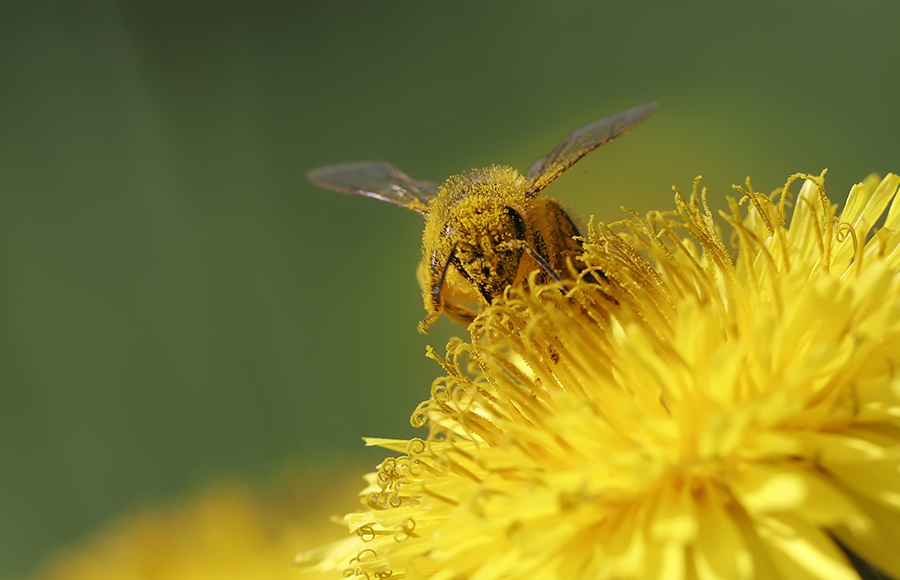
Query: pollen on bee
{"points": [[495, 181]]}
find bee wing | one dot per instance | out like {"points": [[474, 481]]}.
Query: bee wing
{"points": [[581, 142], [379, 180]]}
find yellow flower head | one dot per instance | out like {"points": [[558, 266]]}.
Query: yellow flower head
{"points": [[226, 533], [685, 410]]}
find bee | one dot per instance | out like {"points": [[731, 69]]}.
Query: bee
{"points": [[485, 229]]}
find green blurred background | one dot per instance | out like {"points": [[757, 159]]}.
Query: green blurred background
{"points": [[177, 304]]}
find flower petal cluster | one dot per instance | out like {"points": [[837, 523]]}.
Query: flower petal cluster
{"points": [[226, 532], [704, 402]]}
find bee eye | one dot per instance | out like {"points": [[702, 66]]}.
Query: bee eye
{"points": [[518, 222]]}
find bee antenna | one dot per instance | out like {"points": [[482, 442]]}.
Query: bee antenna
{"points": [[436, 288], [534, 256]]}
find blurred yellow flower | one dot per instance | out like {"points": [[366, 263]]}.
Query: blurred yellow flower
{"points": [[228, 532], [695, 412]]}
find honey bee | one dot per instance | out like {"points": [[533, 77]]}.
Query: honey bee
{"points": [[487, 228]]}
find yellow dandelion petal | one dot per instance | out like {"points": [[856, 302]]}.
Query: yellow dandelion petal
{"points": [[227, 532], [800, 550], [719, 552], [709, 400]]}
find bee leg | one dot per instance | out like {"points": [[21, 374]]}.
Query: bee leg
{"points": [[433, 303], [426, 322], [534, 256], [438, 284]]}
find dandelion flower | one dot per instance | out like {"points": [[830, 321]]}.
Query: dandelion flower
{"points": [[227, 532], [702, 408]]}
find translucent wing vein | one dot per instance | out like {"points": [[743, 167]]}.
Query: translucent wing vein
{"points": [[379, 180], [581, 142]]}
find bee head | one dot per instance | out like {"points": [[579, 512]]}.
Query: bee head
{"points": [[465, 245], [482, 252]]}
